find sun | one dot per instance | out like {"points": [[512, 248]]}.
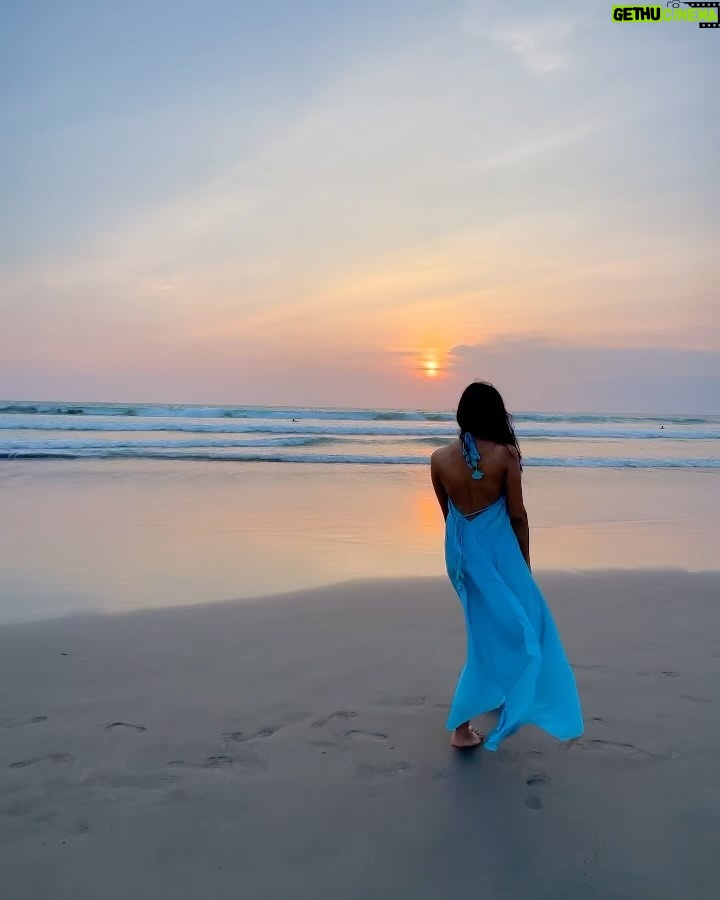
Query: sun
{"points": [[430, 368]]}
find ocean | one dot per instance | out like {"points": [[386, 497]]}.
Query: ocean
{"points": [[56, 430], [110, 507]]}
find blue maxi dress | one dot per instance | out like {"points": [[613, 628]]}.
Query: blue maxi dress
{"points": [[515, 659]]}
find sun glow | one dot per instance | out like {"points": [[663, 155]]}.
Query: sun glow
{"points": [[430, 367]]}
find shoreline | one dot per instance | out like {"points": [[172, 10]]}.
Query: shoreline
{"points": [[440, 583], [158, 535]]}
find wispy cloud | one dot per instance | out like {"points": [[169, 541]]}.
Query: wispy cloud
{"points": [[541, 41], [542, 45]]}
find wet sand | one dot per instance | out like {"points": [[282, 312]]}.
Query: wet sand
{"points": [[116, 535], [294, 747]]}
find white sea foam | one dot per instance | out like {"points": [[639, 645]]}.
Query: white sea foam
{"points": [[229, 454], [371, 436], [185, 411], [444, 432]]}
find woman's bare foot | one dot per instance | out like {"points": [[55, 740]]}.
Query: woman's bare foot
{"points": [[465, 736]]}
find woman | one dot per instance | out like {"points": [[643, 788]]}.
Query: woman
{"points": [[515, 660]]}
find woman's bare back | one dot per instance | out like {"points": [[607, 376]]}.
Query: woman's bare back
{"points": [[499, 464], [467, 494]]}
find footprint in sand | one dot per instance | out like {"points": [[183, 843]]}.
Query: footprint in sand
{"points": [[245, 756], [15, 723], [50, 757], [342, 714], [240, 737], [386, 770], [618, 747], [535, 780], [139, 729], [376, 737], [211, 762], [538, 780], [356, 736], [218, 762], [695, 699]]}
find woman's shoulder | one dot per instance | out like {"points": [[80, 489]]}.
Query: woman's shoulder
{"points": [[500, 454], [446, 450], [501, 449]]}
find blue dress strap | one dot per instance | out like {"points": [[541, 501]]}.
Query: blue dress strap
{"points": [[470, 452]]}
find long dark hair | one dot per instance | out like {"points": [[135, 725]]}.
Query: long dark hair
{"points": [[481, 412]]}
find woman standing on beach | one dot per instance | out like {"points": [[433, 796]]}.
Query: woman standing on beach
{"points": [[515, 659]]}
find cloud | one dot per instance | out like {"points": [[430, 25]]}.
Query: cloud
{"points": [[547, 375], [542, 45]]}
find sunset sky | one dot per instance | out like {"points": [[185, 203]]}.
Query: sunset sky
{"points": [[358, 203]]}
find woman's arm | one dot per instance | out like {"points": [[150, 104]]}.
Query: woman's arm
{"points": [[516, 505], [440, 491]]}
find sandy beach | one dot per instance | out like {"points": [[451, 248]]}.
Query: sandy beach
{"points": [[294, 747]]}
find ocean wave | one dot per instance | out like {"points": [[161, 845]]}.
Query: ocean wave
{"points": [[625, 418], [340, 429], [288, 413], [223, 454], [10, 448], [185, 411]]}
